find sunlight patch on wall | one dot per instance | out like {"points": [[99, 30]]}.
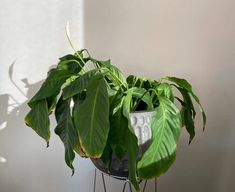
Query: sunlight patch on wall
{"points": [[3, 160]]}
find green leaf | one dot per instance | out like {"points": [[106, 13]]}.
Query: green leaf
{"points": [[107, 156], [103, 63], [131, 81], [143, 95], [188, 113], [166, 126], [134, 81], [79, 84], [78, 99], [115, 99], [51, 103], [185, 85], [39, 121], [117, 132], [165, 90], [70, 63], [131, 142], [51, 85], [66, 130], [113, 73], [91, 118]]}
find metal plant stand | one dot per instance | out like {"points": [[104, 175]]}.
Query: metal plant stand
{"points": [[126, 182]]}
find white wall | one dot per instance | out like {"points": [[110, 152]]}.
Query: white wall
{"points": [[32, 33], [154, 38], [193, 39]]}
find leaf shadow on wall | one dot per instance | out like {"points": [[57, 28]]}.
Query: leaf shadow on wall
{"points": [[14, 138]]}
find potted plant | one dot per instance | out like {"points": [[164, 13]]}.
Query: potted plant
{"points": [[93, 102]]}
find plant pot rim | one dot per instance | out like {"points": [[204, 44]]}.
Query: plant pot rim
{"points": [[142, 111]]}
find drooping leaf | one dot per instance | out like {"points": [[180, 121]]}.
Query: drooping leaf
{"points": [[131, 142], [166, 125], [188, 113], [51, 85], [185, 85], [165, 90], [38, 120], [143, 95], [70, 80], [77, 100], [79, 84], [117, 132], [91, 118], [66, 130]]}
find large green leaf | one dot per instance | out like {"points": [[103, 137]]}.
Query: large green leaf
{"points": [[131, 142], [51, 85], [92, 118], [78, 99], [38, 120], [185, 85], [79, 84], [166, 125], [66, 130]]}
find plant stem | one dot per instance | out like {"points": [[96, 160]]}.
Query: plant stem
{"points": [[71, 44]]}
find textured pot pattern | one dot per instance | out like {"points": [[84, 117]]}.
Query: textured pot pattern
{"points": [[141, 123]]}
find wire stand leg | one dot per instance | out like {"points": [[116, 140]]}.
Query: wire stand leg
{"points": [[94, 181], [145, 183], [155, 183], [103, 182], [124, 187], [130, 186]]}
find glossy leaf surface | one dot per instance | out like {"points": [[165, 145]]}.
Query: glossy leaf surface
{"points": [[92, 118], [65, 129], [38, 120], [51, 86], [117, 133], [188, 113], [185, 85], [78, 85], [166, 125]]}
